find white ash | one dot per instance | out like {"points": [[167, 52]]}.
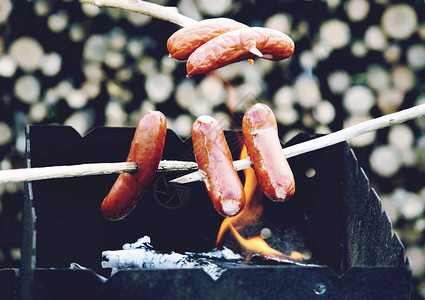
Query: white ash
{"points": [[75, 266], [224, 253], [142, 255]]}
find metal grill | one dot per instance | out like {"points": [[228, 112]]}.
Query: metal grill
{"points": [[334, 214]]}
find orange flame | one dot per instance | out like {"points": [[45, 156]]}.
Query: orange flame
{"points": [[253, 206], [250, 214], [256, 245]]}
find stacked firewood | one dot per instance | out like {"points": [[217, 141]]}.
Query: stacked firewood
{"points": [[62, 62]]}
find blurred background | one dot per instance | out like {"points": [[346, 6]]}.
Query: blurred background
{"points": [[66, 63]]}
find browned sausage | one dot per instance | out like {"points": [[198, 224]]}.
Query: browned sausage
{"points": [[215, 161], [146, 151], [235, 45], [271, 168], [186, 40]]}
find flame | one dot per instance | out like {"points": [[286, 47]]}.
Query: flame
{"points": [[250, 214], [253, 205], [256, 245]]}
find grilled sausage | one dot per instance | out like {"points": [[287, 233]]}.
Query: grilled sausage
{"points": [[186, 40], [235, 46], [215, 161], [146, 151], [271, 168]]}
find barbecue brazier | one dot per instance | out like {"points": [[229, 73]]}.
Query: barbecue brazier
{"points": [[334, 214]]}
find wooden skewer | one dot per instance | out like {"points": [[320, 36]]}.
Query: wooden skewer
{"points": [[171, 14], [166, 13], [31, 174], [327, 140]]}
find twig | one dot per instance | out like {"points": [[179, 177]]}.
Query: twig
{"points": [[32, 174], [166, 13], [327, 140]]}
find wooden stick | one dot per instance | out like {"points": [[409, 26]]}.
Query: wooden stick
{"points": [[327, 140], [166, 13], [171, 14], [32, 174]]}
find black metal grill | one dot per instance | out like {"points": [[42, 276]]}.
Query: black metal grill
{"points": [[334, 214]]}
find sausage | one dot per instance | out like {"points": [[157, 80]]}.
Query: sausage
{"points": [[146, 151], [186, 40], [236, 45], [215, 162], [259, 129]]}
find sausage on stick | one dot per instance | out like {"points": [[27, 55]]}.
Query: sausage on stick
{"points": [[146, 151], [215, 162], [271, 168], [186, 40], [239, 45]]}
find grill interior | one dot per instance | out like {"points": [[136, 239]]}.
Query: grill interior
{"points": [[334, 214]]}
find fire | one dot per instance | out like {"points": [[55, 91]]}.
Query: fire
{"points": [[256, 245], [253, 207], [250, 214]]}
